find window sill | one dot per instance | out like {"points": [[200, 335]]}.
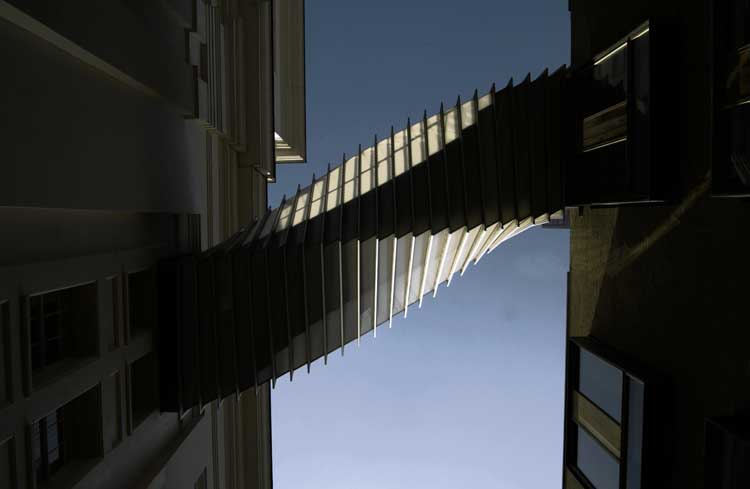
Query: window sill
{"points": [[137, 423], [55, 372], [70, 474]]}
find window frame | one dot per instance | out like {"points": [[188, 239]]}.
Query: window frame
{"points": [[133, 422], [723, 177], [573, 476], [90, 350], [652, 169]]}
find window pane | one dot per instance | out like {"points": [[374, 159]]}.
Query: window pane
{"points": [[366, 162], [467, 113], [434, 141], [366, 183], [417, 144], [315, 208], [599, 467], [318, 189], [144, 398], [601, 383], [142, 305], [400, 154], [349, 169]]}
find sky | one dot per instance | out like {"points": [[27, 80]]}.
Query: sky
{"points": [[468, 391]]}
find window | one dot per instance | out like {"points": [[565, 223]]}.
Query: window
{"points": [[63, 326], [731, 169], [66, 437], [48, 445], [142, 301], [597, 464], [601, 383], [333, 199], [144, 395], [613, 143], [605, 416], [316, 206]]}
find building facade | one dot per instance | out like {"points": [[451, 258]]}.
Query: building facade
{"points": [[658, 372], [138, 130], [145, 133]]}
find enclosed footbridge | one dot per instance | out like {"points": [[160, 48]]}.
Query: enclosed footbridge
{"points": [[363, 243]]}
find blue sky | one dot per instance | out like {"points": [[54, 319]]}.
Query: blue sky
{"points": [[466, 392]]}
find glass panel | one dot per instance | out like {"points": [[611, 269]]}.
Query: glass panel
{"points": [[366, 183], [434, 137], [601, 383], [286, 212], [349, 191], [739, 147], [144, 398], [608, 126], [384, 172], [450, 255], [607, 83], [36, 447], [436, 256], [384, 161], [739, 28], [318, 189], [635, 435], [333, 179], [334, 199], [611, 73], [269, 223], [299, 215], [315, 208], [399, 140], [467, 114], [417, 144], [418, 264], [485, 101], [451, 125], [403, 249], [367, 161], [385, 271], [599, 467], [349, 169], [301, 201], [52, 442]]}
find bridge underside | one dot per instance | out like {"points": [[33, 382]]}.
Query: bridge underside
{"points": [[361, 244]]}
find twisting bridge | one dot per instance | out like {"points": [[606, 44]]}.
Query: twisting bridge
{"points": [[362, 243]]}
